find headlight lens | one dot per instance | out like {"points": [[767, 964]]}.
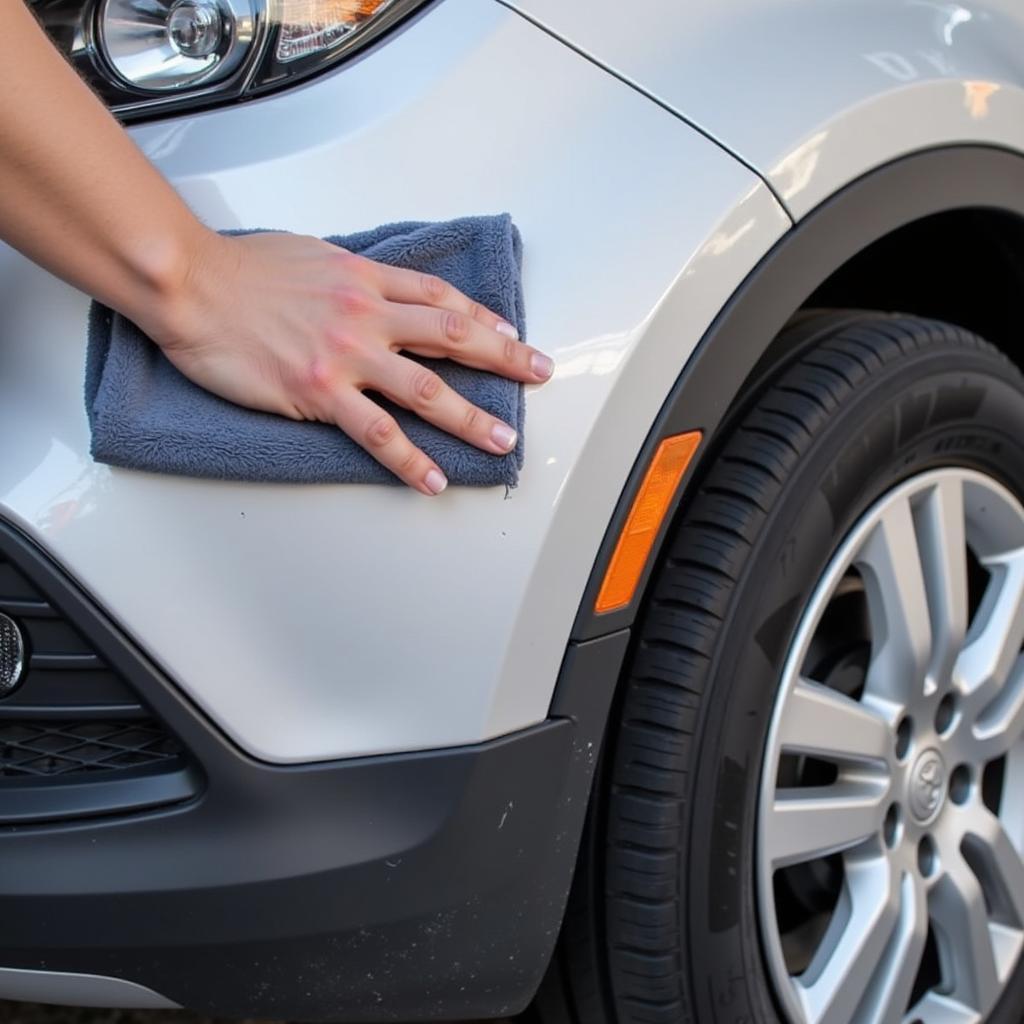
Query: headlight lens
{"points": [[167, 45], [151, 56]]}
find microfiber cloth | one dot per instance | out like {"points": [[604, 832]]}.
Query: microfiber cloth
{"points": [[146, 415]]}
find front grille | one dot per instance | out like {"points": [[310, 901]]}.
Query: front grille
{"points": [[47, 748]]}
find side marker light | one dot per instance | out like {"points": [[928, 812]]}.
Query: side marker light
{"points": [[644, 520]]}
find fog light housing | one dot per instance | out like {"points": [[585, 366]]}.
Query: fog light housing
{"points": [[12, 655]]}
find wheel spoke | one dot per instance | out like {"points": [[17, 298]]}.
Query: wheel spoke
{"points": [[943, 548], [957, 908], [1000, 725], [997, 633], [939, 1009], [853, 948], [886, 1002], [825, 723], [818, 820], [996, 862], [894, 581]]}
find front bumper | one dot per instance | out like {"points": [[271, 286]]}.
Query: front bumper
{"points": [[409, 886]]}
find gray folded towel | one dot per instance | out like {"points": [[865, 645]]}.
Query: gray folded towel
{"points": [[146, 415]]}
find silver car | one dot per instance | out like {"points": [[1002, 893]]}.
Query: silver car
{"points": [[719, 715]]}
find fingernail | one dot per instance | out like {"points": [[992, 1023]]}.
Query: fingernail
{"points": [[435, 480], [507, 329], [542, 366], [503, 436]]}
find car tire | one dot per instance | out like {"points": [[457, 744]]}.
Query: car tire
{"points": [[667, 919]]}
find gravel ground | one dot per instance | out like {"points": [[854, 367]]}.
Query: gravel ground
{"points": [[32, 1013]]}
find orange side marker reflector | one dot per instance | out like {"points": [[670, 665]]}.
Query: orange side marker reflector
{"points": [[644, 520]]}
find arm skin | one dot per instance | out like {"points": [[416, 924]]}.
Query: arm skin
{"points": [[283, 323]]}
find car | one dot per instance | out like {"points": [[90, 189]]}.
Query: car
{"points": [[719, 714]]}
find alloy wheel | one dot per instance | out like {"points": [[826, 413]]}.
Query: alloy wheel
{"points": [[890, 851]]}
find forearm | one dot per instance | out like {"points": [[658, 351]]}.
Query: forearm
{"points": [[78, 197], [282, 323]]}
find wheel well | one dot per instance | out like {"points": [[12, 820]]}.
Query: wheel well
{"points": [[962, 266], [938, 234]]}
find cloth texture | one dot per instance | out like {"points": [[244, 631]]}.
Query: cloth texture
{"points": [[145, 415]]}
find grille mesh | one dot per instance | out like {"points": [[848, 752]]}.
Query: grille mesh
{"points": [[45, 748]]}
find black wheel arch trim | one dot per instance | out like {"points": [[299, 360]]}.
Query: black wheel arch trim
{"points": [[886, 198]]}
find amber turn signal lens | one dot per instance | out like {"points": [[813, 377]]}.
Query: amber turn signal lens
{"points": [[644, 520], [309, 26]]}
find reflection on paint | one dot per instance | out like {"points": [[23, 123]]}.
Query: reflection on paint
{"points": [[722, 241], [793, 173], [600, 356], [957, 16], [82, 481], [895, 65], [976, 97], [951, 17]]}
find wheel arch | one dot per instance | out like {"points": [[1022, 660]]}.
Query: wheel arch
{"points": [[845, 253]]}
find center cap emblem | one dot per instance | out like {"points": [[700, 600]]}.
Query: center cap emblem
{"points": [[927, 785]]}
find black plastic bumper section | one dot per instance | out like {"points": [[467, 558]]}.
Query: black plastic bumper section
{"points": [[394, 888], [406, 887]]}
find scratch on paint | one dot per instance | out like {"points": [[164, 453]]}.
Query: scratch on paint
{"points": [[504, 816]]}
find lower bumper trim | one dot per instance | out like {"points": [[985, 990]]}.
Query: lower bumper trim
{"points": [[406, 887], [78, 990]]}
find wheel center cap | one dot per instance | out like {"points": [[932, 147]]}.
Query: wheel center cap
{"points": [[926, 786]]}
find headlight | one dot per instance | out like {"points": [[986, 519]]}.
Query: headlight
{"points": [[150, 56]]}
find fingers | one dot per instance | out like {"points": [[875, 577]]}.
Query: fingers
{"points": [[442, 333], [412, 287], [376, 430], [421, 390], [426, 315]]}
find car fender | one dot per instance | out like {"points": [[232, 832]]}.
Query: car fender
{"points": [[814, 95]]}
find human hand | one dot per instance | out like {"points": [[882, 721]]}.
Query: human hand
{"points": [[293, 325]]}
